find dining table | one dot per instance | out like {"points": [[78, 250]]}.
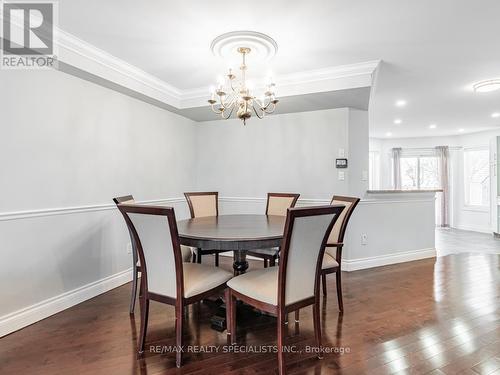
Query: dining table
{"points": [[236, 233]]}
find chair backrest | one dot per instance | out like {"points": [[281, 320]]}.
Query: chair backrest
{"points": [[203, 204], [129, 199], [124, 199], [338, 230], [278, 203], [304, 239], [154, 229]]}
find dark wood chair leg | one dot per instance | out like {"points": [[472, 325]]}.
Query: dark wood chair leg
{"points": [[227, 296], [323, 281], [281, 343], [297, 316], [144, 323], [179, 317], [134, 290], [317, 328], [338, 275], [198, 255], [272, 261], [216, 260], [194, 256], [265, 263], [232, 319]]}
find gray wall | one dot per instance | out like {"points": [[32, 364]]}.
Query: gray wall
{"points": [[292, 152], [65, 142]]}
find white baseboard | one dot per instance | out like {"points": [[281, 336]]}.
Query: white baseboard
{"points": [[384, 260], [472, 228], [34, 313]]}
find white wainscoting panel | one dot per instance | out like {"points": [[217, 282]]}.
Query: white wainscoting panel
{"points": [[399, 228], [59, 257]]}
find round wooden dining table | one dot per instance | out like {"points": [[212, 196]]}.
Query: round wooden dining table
{"points": [[237, 233]]}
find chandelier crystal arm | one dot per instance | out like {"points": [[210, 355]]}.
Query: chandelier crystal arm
{"points": [[229, 115], [257, 114], [269, 111], [233, 95], [217, 112]]}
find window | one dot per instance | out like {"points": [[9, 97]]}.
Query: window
{"points": [[477, 177], [429, 175], [419, 172]]}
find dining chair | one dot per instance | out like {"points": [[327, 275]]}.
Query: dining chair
{"points": [[292, 285], [333, 251], [203, 204], [277, 204], [136, 265], [165, 277]]}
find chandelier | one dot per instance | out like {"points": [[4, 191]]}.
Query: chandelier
{"points": [[234, 94]]}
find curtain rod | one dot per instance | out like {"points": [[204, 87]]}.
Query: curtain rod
{"points": [[454, 148]]}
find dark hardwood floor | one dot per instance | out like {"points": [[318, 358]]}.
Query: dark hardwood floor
{"points": [[436, 316]]}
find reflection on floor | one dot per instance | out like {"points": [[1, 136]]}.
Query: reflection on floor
{"points": [[437, 316], [454, 241]]}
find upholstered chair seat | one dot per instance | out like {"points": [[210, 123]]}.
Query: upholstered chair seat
{"points": [[329, 262], [186, 253], [198, 278], [270, 251], [261, 285]]}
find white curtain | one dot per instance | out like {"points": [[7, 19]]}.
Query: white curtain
{"points": [[443, 155], [396, 167]]}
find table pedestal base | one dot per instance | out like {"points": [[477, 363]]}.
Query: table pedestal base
{"points": [[240, 264], [218, 321]]}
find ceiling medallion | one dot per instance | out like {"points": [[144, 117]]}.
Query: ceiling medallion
{"points": [[487, 86], [234, 93]]}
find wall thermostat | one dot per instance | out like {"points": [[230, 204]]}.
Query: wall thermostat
{"points": [[341, 163]]}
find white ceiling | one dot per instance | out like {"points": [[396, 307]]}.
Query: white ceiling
{"points": [[431, 50]]}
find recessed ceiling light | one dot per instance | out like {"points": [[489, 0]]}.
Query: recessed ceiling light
{"points": [[400, 103], [432, 126], [388, 134], [487, 85], [461, 130], [398, 121], [495, 115]]}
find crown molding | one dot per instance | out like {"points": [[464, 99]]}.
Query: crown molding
{"points": [[333, 78], [105, 66], [334, 72], [87, 57]]}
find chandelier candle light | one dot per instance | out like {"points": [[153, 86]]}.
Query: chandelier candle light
{"points": [[232, 93]]}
